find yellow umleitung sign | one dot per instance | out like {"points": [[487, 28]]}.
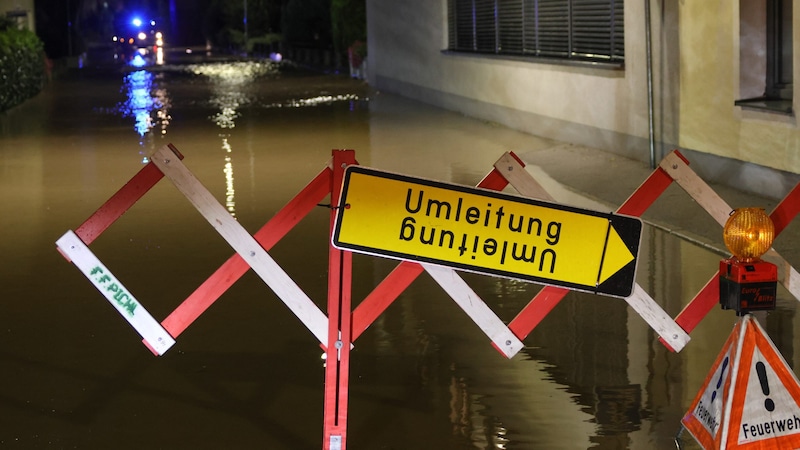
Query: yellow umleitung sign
{"points": [[486, 231]]}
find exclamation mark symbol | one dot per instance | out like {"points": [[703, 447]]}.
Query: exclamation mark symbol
{"points": [[761, 370], [719, 382]]}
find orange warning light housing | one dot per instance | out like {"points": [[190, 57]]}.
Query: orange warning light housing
{"points": [[746, 283]]}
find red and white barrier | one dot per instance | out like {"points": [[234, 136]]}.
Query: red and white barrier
{"points": [[341, 326]]}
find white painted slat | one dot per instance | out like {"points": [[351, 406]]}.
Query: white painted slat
{"points": [[791, 280], [787, 275], [476, 309], [658, 320], [640, 301], [720, 211], [520, 179], [115, 292], [696, 188], [243, 243]]}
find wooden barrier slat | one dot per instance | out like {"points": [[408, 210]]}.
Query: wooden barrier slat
{"points": [[115, 292], [233, 269], [668, 330], [383, 295], [545, 300], [337, 364], [120, 202], [786, 210], [640, 301], [503, 339], [244, 244], [405, 273], [647, 193], [514, 172], [698, 307], [708, 297], [701, 192]]}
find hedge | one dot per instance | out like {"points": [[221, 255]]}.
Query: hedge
{"points": [[21, 66]]}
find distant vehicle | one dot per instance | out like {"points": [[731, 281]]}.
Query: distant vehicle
{"points": [[138, 37]]}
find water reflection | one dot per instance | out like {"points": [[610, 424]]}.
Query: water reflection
{"points": [[471, 420], [317, 101], [229, 87], [230, 192], [593, 374], [148, 104]]}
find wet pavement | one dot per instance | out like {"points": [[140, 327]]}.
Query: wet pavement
{"points": [[247, 374]]}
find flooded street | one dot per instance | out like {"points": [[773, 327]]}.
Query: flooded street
{"points": [[247, 373]]}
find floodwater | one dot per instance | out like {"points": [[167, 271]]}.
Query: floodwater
{"points": [[247, 373]]}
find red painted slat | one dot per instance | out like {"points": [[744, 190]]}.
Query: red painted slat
{"points": [[786, 210], [337, 365], [708, 297], [406, 272], [227, 274], [540, 306], [121, 201]]}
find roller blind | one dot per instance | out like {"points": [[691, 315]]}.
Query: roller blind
{"points": [[589, 30]]}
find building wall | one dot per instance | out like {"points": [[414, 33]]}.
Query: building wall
{"points": [[601, 107], [20, 5], [695, 80], [717, 60]]}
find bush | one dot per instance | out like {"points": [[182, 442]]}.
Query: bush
{"points": [[22, 66]]}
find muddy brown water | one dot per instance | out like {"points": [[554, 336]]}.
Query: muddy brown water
{"points": [[247, 374]]}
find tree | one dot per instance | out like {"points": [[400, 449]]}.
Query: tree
{"points": [[307, 23], [349, 26], [224, 21]]}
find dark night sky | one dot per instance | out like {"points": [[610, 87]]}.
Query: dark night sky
{"points": [[184, 21]]}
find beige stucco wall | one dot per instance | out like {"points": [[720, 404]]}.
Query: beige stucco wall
{"points": [[603, 107], [695, 72], [710, 83]]}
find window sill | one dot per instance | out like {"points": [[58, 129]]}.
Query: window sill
{"points": [[763, 104], [576, 63]]}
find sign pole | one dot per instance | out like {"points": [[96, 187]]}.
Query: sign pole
{"points": [[337, 367]]}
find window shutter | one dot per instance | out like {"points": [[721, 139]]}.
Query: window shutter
{"points": [[485, 26], [553, 28], [594, 29], [591, 30], [511, 19], [465, 25]]}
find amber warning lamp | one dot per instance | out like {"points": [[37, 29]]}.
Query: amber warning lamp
{"points": [[746, 283]]}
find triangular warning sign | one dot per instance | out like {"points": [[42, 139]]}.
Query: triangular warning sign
{"points": [[764, 411], [760, 407], [704, 419]]}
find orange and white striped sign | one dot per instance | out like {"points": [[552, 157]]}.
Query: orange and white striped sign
{"points": [[750, 399]]}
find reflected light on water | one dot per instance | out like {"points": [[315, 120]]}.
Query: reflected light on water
{"points": [[140, 102], [138, 61], [470, 420], [234, 73], [147, 103], [315, 101], [227, 80], [592, 374], [230, 192], [228, 104]]}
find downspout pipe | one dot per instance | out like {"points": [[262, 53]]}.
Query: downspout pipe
{"points": [[650, 107]]}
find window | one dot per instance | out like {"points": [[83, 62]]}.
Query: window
{"points": [[580, 30], [765, 55]]}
